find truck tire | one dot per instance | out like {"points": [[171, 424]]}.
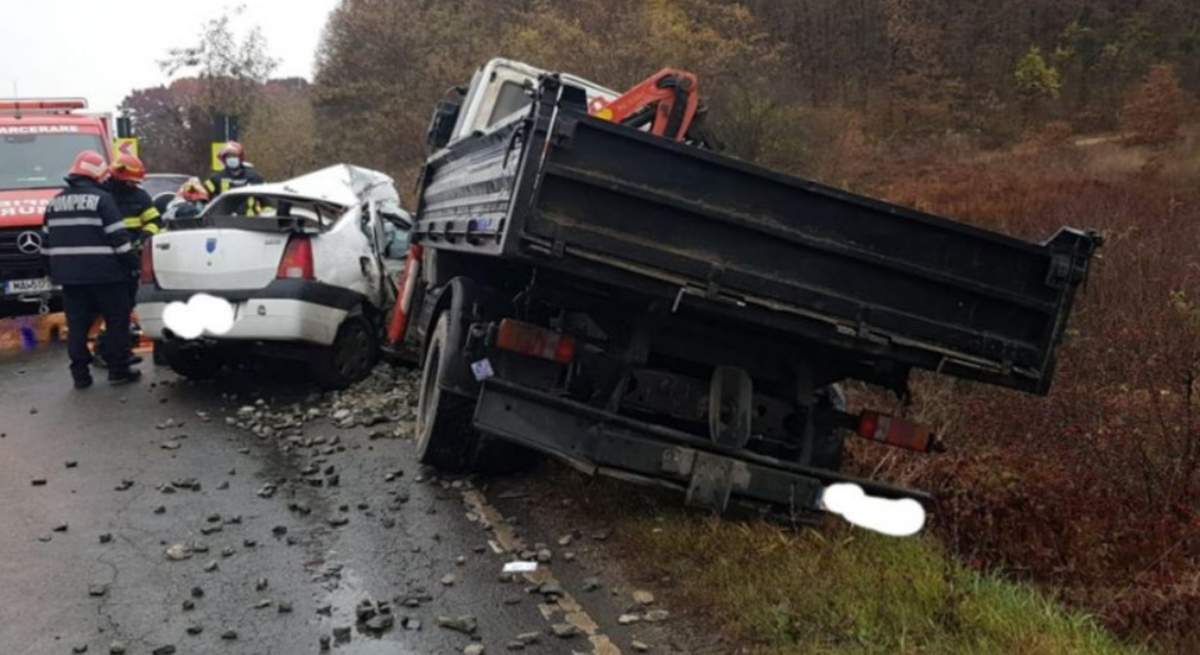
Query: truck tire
{"points": [[189, 360], [446, 439], [350, 357]]}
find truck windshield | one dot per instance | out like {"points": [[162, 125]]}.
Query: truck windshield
{"points": [[512, 98], [39, 161]]}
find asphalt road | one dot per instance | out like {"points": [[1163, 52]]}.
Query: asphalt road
{"points": [[62, 590]]}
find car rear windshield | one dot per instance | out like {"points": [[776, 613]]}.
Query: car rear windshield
{"points": [[39, 161], [283, 208], [159, 184]]}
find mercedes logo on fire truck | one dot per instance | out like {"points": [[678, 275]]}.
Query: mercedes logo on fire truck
{"points": [[29, 243]]}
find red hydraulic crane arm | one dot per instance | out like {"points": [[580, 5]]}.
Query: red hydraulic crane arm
{"points": [[667, 100]]}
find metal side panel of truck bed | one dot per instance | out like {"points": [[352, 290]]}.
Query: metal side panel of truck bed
{"points": [[876, 281]]}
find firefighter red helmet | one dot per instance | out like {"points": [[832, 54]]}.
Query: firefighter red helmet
{"points": [[232, 149], [193, 190], [89, 164], [128, 168]]}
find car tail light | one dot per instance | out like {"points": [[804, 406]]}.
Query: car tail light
{"points": [[147, 274], [898, 432], [535, 341], [297, 261]]}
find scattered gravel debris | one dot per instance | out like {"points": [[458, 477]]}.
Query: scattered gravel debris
{"points": [[654, 616], [642, 597], [564, 630], [466, 623]]}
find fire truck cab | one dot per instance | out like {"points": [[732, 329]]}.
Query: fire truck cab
{"points": [[38, 140]]}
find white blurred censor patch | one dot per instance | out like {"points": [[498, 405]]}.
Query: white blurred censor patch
{"points": [[894, 517], [200, 314]]}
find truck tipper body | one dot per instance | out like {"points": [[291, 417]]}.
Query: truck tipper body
{"points": [[658, 312], [38, 141]]}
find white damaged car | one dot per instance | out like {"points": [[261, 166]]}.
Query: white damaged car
{"points": [[307, 266]]}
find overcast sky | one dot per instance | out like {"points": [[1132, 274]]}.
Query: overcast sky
{"points": [[101, 50]]}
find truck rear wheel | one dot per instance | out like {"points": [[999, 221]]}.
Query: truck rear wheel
{"points": [[446, 438]]}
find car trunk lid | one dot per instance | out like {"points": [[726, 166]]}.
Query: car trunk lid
{"points": [[217, 258]]}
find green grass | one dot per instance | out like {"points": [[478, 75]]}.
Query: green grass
{"points": [[839, 590]]}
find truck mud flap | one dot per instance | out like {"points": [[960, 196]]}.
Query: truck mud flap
{"points": [[600, 443]]}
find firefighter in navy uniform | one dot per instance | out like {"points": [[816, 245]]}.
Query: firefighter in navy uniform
{"points": [[236, 173], [91, 256], [139, 214]]}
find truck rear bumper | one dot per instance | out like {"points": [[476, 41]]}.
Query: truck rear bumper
{"points": [[598, 442]]}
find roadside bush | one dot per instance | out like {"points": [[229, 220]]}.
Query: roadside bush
{"points": [[1154, 111], [1094, 489]]}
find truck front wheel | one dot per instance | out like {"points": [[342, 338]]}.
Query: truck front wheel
{"points": [[446, 438]]}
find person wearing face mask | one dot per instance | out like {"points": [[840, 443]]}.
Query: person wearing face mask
{"points": [[236, 173]]}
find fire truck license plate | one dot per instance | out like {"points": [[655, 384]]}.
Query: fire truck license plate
{"points": [[35, 285]]}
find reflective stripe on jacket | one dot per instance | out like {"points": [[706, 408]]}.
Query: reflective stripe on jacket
{"points": [[138, 212], [86, 242]]}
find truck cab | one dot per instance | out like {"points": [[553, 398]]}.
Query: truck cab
{"points": [[500, 92], [38, 140]]}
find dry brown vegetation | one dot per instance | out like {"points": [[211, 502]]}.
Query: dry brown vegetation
{"points": [[1092, 490]]}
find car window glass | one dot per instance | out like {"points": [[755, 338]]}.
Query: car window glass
{"points": [[366, 225], [397, 241]]}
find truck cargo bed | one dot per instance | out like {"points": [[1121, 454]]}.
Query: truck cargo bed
{"points": [[569, 192]]}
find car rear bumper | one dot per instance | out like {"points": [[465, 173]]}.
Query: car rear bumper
{"points": [[285, 310]]}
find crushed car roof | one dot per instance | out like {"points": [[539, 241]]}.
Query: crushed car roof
{"points": [[341, 184]]}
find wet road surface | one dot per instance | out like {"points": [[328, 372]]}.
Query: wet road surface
{"points": [[97, 485]]}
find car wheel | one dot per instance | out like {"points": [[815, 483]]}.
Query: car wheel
{"points": [[446, 439], [189, 360], [350, 357]]}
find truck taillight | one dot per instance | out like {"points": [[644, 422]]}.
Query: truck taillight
{"points": [[535, 341], [898, 432], [147, 274], [297, 261]]}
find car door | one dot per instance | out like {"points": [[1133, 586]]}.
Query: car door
{"points": [[369, 261], [393, 232]]}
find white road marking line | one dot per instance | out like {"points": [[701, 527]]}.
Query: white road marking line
{"points": [[570, 609]]}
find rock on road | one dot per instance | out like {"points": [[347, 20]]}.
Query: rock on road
{"points": [[144, 518]]}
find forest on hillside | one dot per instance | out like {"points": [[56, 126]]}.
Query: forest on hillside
{"points": [[785, 81]]}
